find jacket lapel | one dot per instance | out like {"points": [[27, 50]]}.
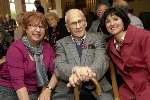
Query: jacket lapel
{"points": [[83, 57], [85, 50], [113, 48], [116, 53]]}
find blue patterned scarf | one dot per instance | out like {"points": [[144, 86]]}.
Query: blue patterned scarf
{"points": [[36, 53]]}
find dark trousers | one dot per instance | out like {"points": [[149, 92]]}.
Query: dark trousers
{"points": [[10, 94], [86, 95]]}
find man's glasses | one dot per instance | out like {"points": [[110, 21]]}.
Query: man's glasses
{"points": [[79, 22]]}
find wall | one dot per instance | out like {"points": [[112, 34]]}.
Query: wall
{"points": [[21, 8], [59, 7], [140, 6]]}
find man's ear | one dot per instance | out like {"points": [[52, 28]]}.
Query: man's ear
{"points": [[85, 24], [67, 28]]}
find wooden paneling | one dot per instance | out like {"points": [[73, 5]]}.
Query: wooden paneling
{"points": [[4, 7], [91, 4]]}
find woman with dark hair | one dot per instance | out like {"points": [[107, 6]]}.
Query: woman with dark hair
{"points": [[29, 61], [129, 50]]}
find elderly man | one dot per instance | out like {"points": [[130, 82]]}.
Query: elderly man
{"points": [[79, 57]]}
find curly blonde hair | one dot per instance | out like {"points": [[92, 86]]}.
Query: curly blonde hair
{"points": [[52, 14]]}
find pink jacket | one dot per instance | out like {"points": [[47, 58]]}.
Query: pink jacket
{"points": [[20, 71], [133, 63]]}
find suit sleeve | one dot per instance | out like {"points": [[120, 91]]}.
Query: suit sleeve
{"points": [[91, 28], [62, 69], [101, 60]]}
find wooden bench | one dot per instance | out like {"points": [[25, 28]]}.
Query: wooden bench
{"points": [[114, 82]]}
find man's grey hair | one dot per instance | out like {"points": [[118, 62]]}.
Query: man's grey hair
{"points": [[122, 4], [100, 4], [71, 11]]}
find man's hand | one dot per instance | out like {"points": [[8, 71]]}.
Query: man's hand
{"points": [[73, 80], [80, 74], [84, 73]]}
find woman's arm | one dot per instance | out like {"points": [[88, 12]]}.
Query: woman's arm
{"points": [[46, 92], [15, 63], [52, 82], [22, 94]]}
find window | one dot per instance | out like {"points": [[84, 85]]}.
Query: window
{"points": [[11, 0], [30, 5], [29, 1], [12, 8]]}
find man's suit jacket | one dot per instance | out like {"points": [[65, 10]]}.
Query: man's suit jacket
{"points": [[94, 26], [93, 55]]}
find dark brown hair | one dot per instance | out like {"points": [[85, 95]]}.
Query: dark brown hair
{"points": [[114, 11]]}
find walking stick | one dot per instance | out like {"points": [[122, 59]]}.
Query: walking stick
{"points": [[98, 89]]}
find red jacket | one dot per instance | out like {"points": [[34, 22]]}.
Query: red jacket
{"points": [[133, 63]]}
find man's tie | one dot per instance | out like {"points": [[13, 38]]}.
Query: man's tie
{"points": [[79, 47]]}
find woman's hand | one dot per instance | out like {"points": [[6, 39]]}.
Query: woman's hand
{"points": [[22, 94], [47, 91], [2, 60], [45, 94]]}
